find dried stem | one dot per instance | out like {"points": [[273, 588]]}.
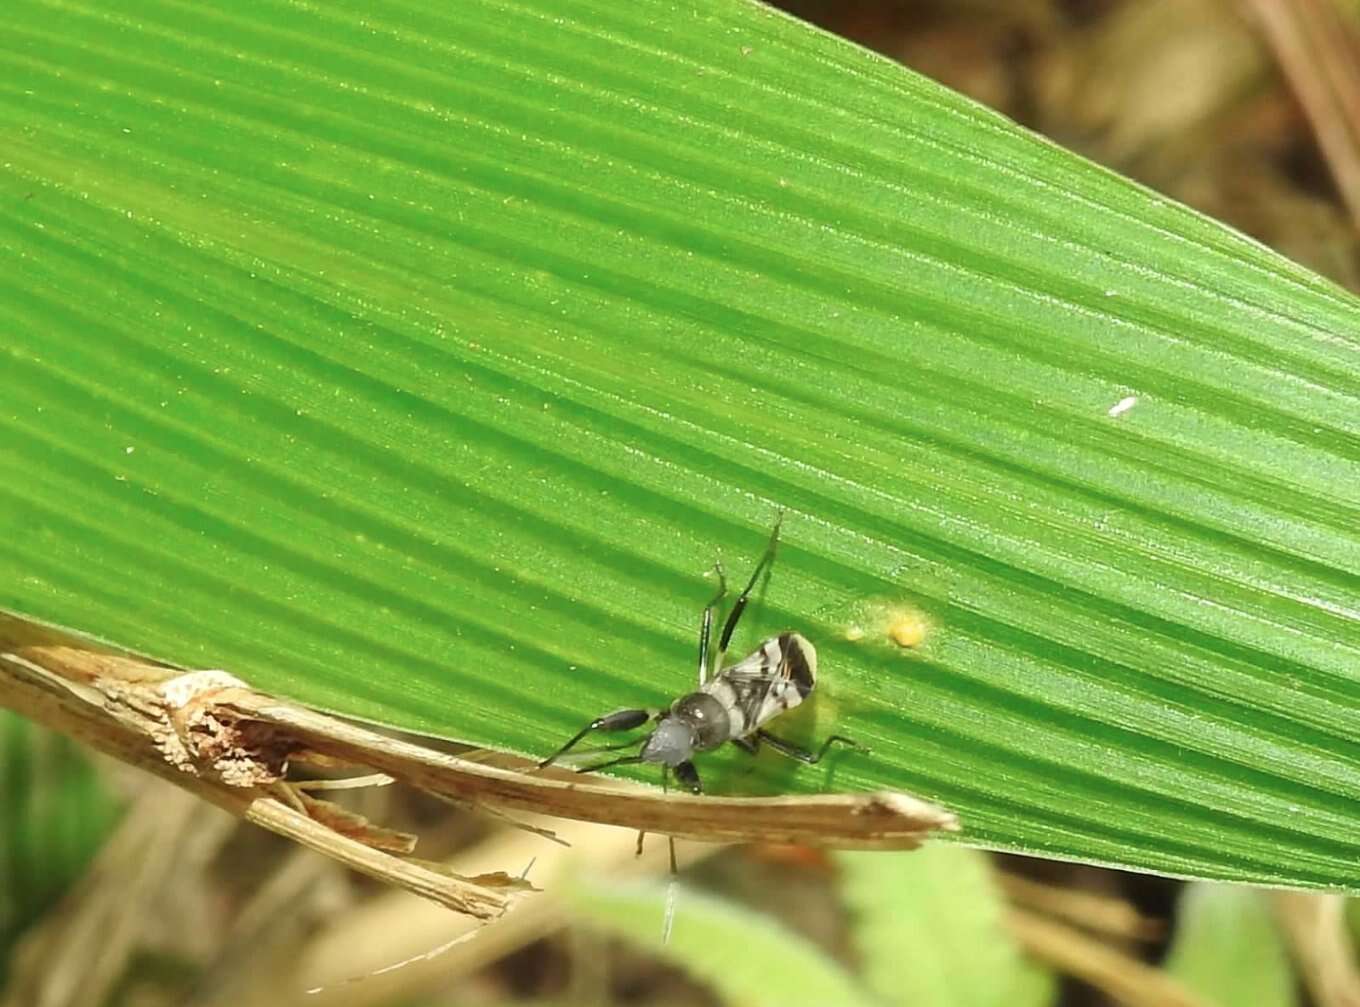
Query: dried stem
{"points": [[1125, 979], [211, 734], [1315, 925], [1318, 48], [1094, 911]]}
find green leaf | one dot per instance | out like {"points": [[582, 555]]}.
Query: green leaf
{"points": [[54, 813], [744, 956], [1228, 949], [928, 929], [416, 363]]}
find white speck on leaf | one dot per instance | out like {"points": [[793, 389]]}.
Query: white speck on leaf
{"points": [[1123, 405]]}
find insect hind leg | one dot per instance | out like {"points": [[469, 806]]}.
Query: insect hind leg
{"points": [[805, 755], [747, 745], [733, 617]]}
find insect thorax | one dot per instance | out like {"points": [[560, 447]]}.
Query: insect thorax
{"points": [[706, 716]]}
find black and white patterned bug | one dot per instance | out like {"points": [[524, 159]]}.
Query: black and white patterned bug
{"points": [[731, 704]]}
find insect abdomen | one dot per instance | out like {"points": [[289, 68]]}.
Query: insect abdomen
{"points": [[736, 719]]}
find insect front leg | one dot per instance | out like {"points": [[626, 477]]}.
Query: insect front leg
{"points": [[739, 606], [689, 777], [620, 720], [802, 754]]}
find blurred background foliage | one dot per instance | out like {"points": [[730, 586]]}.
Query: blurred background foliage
{"points": [[1237, 109], [57, 811]]}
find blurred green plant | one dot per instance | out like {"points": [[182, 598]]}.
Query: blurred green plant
{"points": [[1228, 948], [926, 929], [744, 956], [55, 811]]}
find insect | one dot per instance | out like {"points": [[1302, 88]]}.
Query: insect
{"points": [[731, 704]]}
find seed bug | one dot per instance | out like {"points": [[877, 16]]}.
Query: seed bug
{"points": [[731, 704]]}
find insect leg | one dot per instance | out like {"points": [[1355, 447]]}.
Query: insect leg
{"points": [[802, 754], [627, 760], [689, 777], [747, 745], [669, 919], [734, 616], [706, 628], [620, 720]]}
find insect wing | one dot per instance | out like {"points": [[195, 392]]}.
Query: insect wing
{"points": [[766, 683]]}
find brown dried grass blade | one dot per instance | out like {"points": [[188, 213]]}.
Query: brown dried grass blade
{"points": [[212, 734]]}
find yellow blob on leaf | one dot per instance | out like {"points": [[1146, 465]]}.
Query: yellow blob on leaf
{"points": [[889, 623], [909, 629]]}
